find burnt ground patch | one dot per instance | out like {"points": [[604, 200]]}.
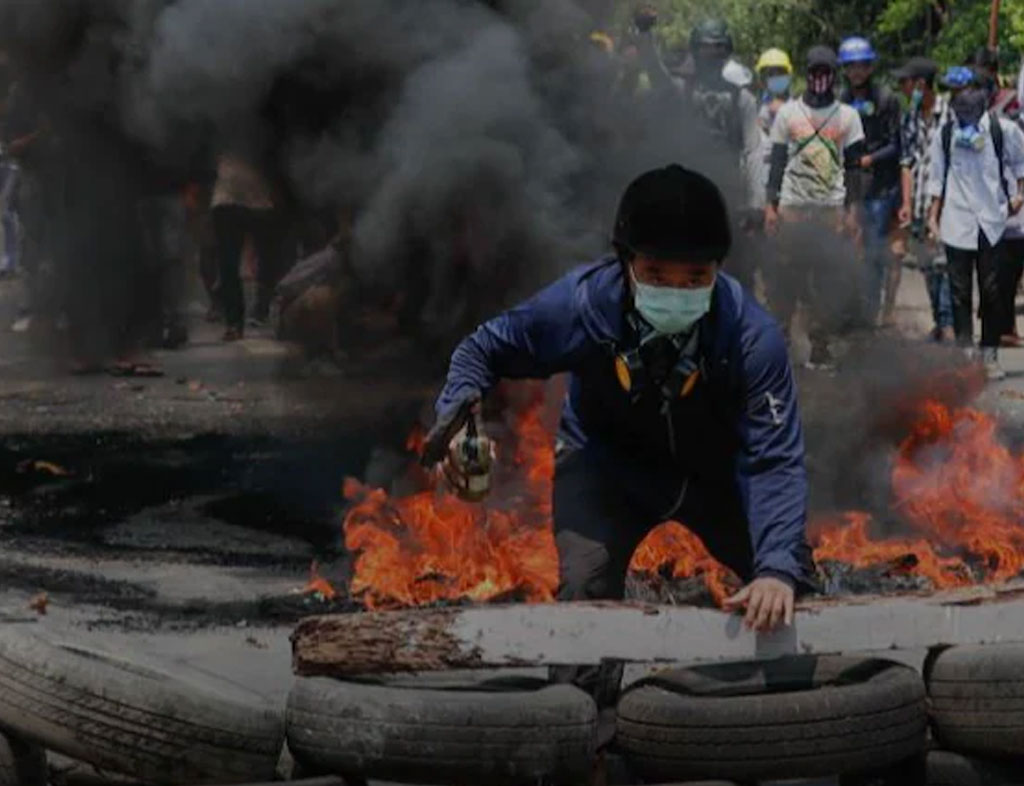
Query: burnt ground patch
{"points": [[72, 505], [69, 486]]}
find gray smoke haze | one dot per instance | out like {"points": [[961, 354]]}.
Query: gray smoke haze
{"points": [[479, 146]]}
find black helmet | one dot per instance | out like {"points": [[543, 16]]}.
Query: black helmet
{"points": [[673, 213], [821, 56], [711, 32]]}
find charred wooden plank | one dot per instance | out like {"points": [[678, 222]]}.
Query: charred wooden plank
{"points": [[587, 633]]}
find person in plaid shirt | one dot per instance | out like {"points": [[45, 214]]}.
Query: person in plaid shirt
{"points": [[920, 122]]}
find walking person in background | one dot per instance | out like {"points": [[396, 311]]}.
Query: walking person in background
{"points": [[976, 183], [775, 74], [28, 145], [718, 98], [984, 62], [880, 112], [926, 113], [1014, 267], [9, 172], [1010, 275], [815, 138], [243, 206]]}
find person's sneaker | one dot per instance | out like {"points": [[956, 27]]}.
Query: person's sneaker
{"points": [[22, 324], [233, 334], [173, 336], [821, 358], [990, 357]]}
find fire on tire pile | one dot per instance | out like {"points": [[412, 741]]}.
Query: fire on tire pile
{"points": [[957, 501], [423, 562]]}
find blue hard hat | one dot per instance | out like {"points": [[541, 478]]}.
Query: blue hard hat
{"points": [[957, 77], [856, 50]]}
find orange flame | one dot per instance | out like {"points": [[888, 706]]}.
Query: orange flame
{"points": [[957, 484], [847, 539], [953, 483], [318, 585], [960, 488], [674, 545], [432, 546]]}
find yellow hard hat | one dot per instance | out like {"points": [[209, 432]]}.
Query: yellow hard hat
{"points": [[603, 40], [774, 58]]}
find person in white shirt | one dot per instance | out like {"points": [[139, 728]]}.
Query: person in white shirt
{"points": [[815, 140], [921, 122], [1014, 239], [976, 184]]}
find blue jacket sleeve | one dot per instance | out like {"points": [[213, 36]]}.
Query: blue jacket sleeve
{"points": [[533, 340], [770, 470]]}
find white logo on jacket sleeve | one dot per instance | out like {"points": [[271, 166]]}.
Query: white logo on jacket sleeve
{"points": [[775, 407]]}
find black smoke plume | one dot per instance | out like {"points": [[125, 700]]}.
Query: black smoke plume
{"points": [[479, 147]]}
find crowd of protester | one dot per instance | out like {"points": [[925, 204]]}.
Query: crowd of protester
{"points": [[920, 167]]}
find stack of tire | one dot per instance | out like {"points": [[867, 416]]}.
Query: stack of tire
{"points": [[797, 717], [445, 728], [976, 696], [125, 718]]}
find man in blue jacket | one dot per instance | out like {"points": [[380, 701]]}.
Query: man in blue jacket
{"points": [[681, 402]]}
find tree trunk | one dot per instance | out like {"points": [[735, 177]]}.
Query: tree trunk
{"points": [[993, 27]]}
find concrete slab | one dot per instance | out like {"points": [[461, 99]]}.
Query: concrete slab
{"points": [[588, 633]]}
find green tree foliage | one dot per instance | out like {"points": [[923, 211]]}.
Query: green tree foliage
{"points": [[948, 30]]}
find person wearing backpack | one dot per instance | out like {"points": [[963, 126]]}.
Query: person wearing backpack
{"points": [[880, 113], [815, 140], [718, 107], [976, 184], [922, 122]]}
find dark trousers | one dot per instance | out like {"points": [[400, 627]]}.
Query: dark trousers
{"points": [[987, 259], [231, 224], [1010, 274], [877, 219], [599, 522], [600, 519]]}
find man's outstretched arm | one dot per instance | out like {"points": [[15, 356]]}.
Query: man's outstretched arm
{"points": [[533, 340]]}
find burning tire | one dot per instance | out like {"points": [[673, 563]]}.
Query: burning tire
{"points": [[977, 699], [797, 717], [21, 763], [131, 719], [952, 769], [452, 728]]}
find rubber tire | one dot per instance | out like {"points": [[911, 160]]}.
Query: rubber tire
{"points": [[797, 717], [977, 699], [21, 763], [951, 769], [132, 719], [450, 729]]}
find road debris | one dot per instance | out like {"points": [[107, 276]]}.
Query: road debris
{"points": [[39, 603]]}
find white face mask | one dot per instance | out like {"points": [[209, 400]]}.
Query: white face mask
{"points": [[671, 310]]}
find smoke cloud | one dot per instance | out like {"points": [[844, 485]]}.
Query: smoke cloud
{"points": [[479, 146]]}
